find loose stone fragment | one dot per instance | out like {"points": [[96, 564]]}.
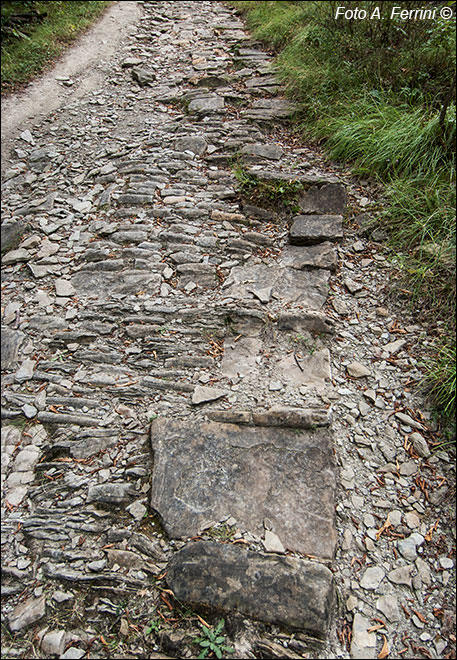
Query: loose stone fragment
{"points": [[363, 643], [401, 575], [203, 394], [388, 605], [27, 613], [372, 577], [358, 370], [293, 592]]}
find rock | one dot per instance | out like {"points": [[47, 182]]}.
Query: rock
{"points": [[11, 342], [272, 542], [322, 255], [412, 520], [394, 346], [73, 653], [143, 76], [54, 642], [27, 613], [16, 256], [352, 286], [423, 570], [408, 468], [137, 510], [409, 421], [407, 546], [111, 493], [358, 370], [420, 445], [330, 198], [446, 563], [293, 592], [25, 371], [311, 229], [340, 307], [206, 104], [401, 575], [64, 288], [268, 151], [27, 136], [372, 577], [388, 605], [254, 473], [196, 144], [11, 235], [203, 394], [131, 61], [363, 643]]}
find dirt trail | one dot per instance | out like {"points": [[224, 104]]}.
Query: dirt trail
{"points": [[84, 63]]}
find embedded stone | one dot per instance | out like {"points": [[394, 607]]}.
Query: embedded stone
{"points": [[311, 229], [203, 394], [253, 472], [329, 198], [27, 613], [206, 104], [358, 370], [305, 257], [292, 592], [11, 342]]}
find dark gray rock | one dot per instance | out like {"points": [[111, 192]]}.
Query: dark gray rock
{"points": [[311, 229], [206, 104], [268, 151], [203, 471], [272, 588], [330, 198], [11, 235], [143, 76], [304, 257], [192, 143], [11, 341]]}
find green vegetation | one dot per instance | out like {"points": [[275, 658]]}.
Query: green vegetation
{"points": [[213, 641], [380, 94], [281, 195], [35, 33]]}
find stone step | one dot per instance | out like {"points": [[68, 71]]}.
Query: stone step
{"points": [[287, 591]]}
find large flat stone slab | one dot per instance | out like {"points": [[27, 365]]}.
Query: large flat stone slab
{"points": [[11, 341], [329, 198], [284, 590], [207, 470], [306, 287], [105, 284], [311, 229], [306, 257]]}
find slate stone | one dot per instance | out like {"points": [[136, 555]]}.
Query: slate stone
{"points": [[268, 151], [11, 235], [27, 613], [292, 592], [311, 229], [204, 394], [143, 76], [11, 342], [106, 284], [330, 198], [16, 256], [363, 643], [306, 287], [206, 104], [204, 471], [192, 143], [322, 255]]}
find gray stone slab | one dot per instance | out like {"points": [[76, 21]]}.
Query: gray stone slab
{"points": [[104, 284], [11, 235], [310, 229], [305, 257], [206, 104], [272, 588], [11, 341], [330, 198], [306, 287], [205, 471]]}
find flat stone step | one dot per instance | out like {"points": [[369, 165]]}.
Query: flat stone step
{"points": [[312, 229], [205, 471], [285, 590]]}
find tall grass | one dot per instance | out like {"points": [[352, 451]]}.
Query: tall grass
{"points": [[381, 95], [27, 52]]}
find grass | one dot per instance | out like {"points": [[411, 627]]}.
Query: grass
{"points": [[380, 95], [29, 48]]}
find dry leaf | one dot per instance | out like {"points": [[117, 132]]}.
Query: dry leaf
{"points": [[382, 529], [203, 621], [374, 628], [384, 652], [420, 616]]}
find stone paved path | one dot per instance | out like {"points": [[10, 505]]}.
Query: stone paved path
{"points": [[168, 399]]}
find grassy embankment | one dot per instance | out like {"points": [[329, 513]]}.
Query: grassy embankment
{"points": [[35, 33], [380, 94]]}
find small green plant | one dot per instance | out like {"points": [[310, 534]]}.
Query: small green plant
{"points": [[222, 532], [213, 641], [153, 627]]}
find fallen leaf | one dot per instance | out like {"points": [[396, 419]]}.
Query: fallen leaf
{"points": [[384, 652], [385, 526], [203, 621], [420, 616], [374, 628]]}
